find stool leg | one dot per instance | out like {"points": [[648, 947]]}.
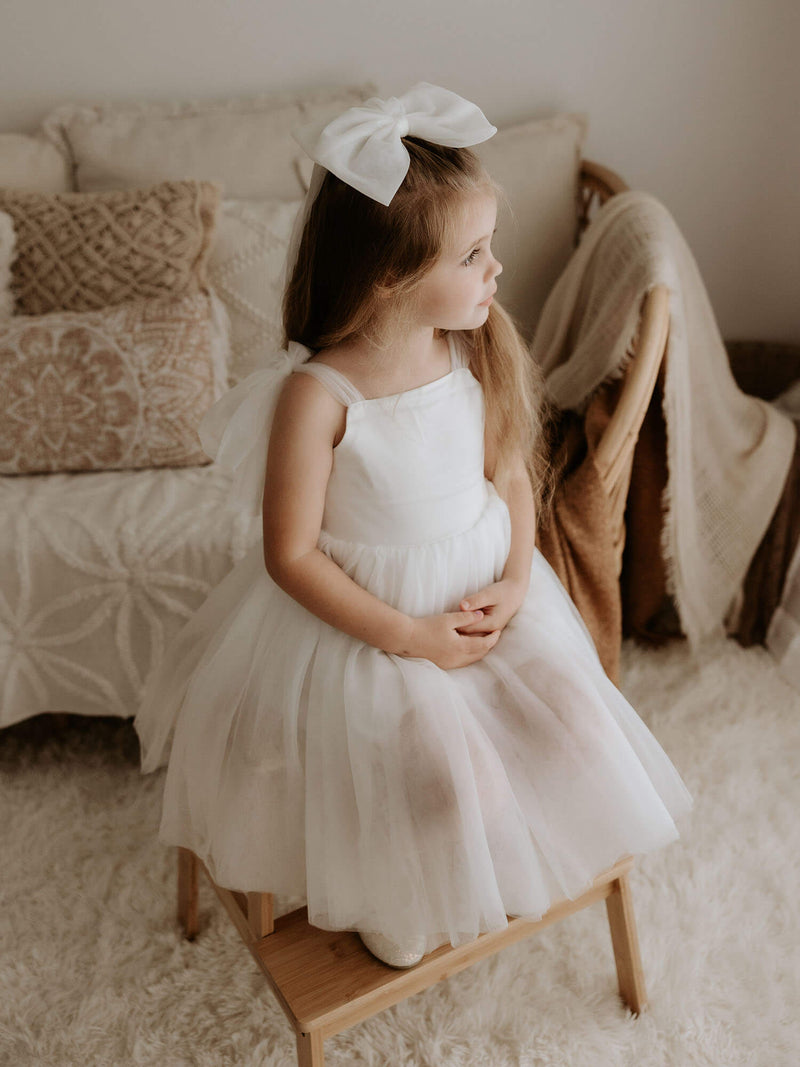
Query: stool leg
{"points": [[625, 940], [188, 869], [259, 914], [310, 1052]]}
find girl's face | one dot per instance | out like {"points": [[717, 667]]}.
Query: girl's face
{"points": [[456, 293]]}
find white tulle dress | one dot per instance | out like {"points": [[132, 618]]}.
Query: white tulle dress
{"points": [[394, 795]]}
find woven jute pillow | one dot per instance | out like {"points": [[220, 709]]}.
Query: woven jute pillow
{"points": [[86, 251], [118, 388]]}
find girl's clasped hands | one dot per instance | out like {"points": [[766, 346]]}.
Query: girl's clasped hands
{"points": [[458, 638]]}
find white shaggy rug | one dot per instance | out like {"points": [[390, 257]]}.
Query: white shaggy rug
{"points": [[93, 970]]}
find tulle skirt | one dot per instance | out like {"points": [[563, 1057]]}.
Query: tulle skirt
{"points": [[394, 795]]}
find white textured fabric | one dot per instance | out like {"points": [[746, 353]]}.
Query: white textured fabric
{"points": [[100, 571], [245, 143], [394, 795], [363, 146], [246, 269], [8, 243], [727, 453]]}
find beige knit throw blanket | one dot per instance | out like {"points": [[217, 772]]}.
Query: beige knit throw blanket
{"points": [[727, 453]]}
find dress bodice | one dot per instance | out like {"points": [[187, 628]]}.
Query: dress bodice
{"points": [[409, 468]]}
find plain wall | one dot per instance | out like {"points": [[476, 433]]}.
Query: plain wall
{"points": [[695, 101]]}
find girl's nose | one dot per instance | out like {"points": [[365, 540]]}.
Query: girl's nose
{"points": [[495, 268]]}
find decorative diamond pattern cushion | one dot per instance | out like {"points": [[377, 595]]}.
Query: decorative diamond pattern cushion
{"points": [[84, 251], [122, 387], [246, 271]]}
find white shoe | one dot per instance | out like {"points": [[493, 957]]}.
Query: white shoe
{"points": [[406, 954]]}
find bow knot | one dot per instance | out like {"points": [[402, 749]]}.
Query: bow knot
{"points": [[363, 145]]}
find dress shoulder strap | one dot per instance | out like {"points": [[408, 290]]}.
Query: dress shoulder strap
{"points": [[340, 387], [458, 356]]}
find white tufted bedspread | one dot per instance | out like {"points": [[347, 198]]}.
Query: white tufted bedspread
{"points": [[99, 571]]}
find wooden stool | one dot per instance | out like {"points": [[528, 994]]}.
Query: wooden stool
{"points": [[326, 980]]}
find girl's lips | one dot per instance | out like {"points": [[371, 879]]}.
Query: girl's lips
{"points": [[485, 303]]}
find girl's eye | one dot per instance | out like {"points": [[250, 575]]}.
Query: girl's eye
{"points": [[470, 258]]}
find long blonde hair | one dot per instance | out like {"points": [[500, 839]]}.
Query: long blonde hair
{"points": [[355, 251]]}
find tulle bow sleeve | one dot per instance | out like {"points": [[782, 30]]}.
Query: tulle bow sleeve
{"points": [[235, 430]]}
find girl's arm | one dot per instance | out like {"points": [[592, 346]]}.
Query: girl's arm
{"points": [[501, 600], [308, 422]]}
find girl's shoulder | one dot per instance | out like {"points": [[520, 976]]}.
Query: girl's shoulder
{"points": [[347, 360], [331, 370]]}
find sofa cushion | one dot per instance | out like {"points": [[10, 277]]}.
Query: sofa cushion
{"points": [[33, 163], [82, 251], [246, 144], [100, 571], [246, 270], [538, 164], [7, 251], [122, 387]]}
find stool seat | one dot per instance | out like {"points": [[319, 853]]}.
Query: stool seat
{"points": [[327, 981]]}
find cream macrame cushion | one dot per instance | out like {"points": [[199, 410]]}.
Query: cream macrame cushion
{"points": [[246, 144], [84, 251], [246, 271], [32, 163], [123, 387], [7, 246]]}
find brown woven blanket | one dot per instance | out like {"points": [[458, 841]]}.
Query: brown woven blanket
{"points": [[575, 532]]}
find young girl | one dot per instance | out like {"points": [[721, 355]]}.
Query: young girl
{"points": [[390, 706]]}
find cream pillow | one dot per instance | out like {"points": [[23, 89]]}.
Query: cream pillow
{"points": [[538, 164], [7, 246], [117, 388], [246, 271], [246, 144], [32, 163], [80, 251]]}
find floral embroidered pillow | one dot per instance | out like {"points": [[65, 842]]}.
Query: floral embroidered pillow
{"points": [[85, 251], [119, 388]]}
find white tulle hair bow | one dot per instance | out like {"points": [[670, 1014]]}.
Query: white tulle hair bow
{"points": [[363, 145]]}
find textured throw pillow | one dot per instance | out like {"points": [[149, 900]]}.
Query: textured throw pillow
{"points": [[246, 144], [117, 388], [32, 163], [538, 164], [246, 271], [7, 246], [83, 251]]}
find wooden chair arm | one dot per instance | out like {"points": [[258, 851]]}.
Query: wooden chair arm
{"points": [[615, 450], [595, 182]]}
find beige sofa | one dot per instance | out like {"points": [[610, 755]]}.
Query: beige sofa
{"points": [[99, 569]]}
